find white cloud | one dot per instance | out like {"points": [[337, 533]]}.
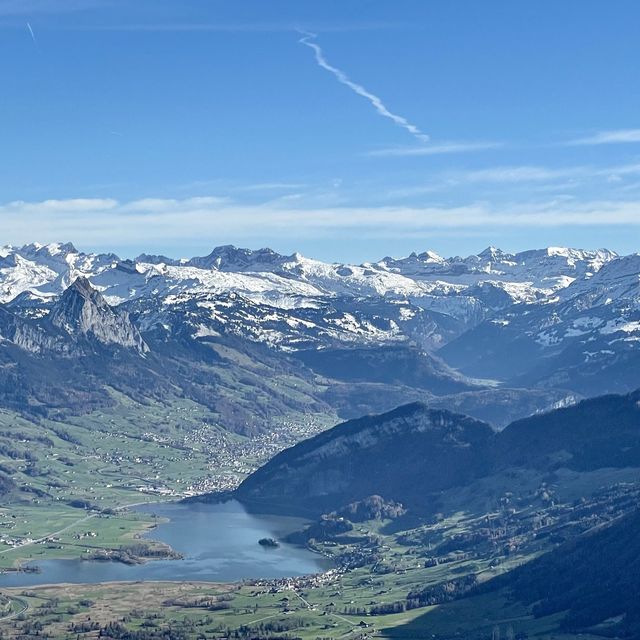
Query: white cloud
{"points": [[48, 207], [271, 186], [375, 101], [616, 136], [532, 173], [104, 223], [33, 35], [521, 174], [435, 149], [162, 206]]}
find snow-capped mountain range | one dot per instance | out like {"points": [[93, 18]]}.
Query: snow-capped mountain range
{"points": [[531, 317], [264, 275]]}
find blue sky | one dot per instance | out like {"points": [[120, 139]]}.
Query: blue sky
{"points": [[345, 129]]}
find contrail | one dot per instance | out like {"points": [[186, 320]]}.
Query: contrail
{"points": [[33, 37], [359, 89]]}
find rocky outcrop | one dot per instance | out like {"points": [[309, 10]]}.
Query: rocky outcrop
{"points": [[81, 311]]}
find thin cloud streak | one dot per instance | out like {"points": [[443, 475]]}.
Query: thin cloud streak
{"points": [[535, 178], [529, 173], [436, 149], [375, 101], [271, 186], [618, 136], [33, 37], [522, 174]]}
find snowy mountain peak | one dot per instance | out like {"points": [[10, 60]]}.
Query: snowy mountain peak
{"points": [[571, 256], [464, 290], [82, 287], [60, 300], [431, 256], [147, 258], [493, 254], [618, 279], [230, 258], [54, 249]]}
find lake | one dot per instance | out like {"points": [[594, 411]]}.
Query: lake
{"points": [[219, 543]]}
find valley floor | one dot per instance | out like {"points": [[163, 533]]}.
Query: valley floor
{"points": [[393, 579], [377, 565], [75, 479], [205, 610]]}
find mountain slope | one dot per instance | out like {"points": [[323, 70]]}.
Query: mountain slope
{"points": [[389, 364], [540, 327], [592, 580], [359, 458], [413, 454], [595, 433], [464, 290], [584, 339]]}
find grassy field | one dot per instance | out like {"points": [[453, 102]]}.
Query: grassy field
{"points": [[66, 473], [336, 605], [75, 478], [67, 533], [201, 610]]}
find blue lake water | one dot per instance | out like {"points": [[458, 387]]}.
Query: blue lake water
{"points": [[219, 543]]}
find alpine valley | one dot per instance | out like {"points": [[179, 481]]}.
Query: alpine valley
{"points": [[482, 479]]}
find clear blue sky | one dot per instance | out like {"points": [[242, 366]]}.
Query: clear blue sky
{"points": [[345, 129]]}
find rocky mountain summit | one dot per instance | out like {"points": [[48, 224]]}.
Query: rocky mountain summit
{"points": [[81, 310], [540, 328]]}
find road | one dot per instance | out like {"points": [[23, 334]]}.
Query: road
{"points": [[28, 543], [310, 607], [14, 614], [71, 526]]}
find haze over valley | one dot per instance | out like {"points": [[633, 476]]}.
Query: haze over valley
{"points": [[319, 320]]}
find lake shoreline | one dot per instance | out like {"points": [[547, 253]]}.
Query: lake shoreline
{"points": [[219, 542], [135, 533]]}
